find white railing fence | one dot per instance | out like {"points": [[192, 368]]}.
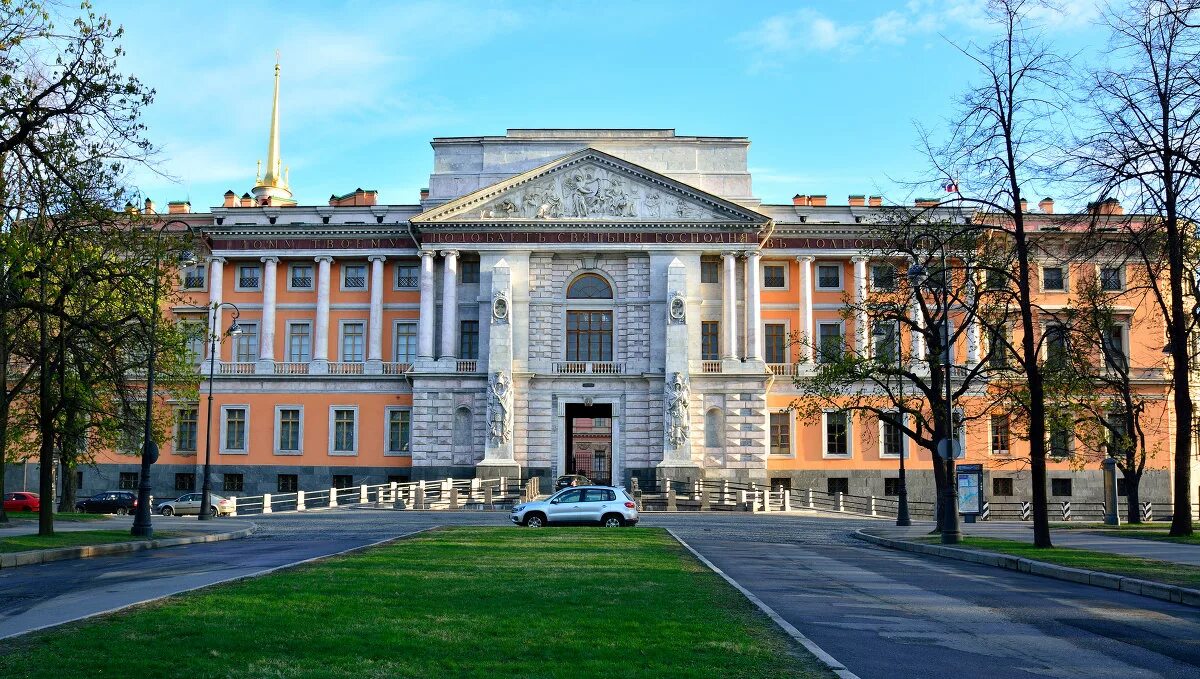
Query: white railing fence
{"points": [[447, 494]]}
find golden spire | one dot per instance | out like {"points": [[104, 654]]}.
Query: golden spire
{"points": [[271, 185]]}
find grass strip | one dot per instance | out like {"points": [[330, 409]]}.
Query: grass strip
{"points": [[1159, 535], [461, 602], [25, 543], [64, 516], [1118, 564]]}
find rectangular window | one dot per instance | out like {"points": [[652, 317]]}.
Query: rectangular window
{"points": [[883, 277], [710, 271], [343, 481], [299, 342], [399, 432], [589, 335], [829, 276], [997, 348], [193, 333], [829, 342], [300, 277], [354, 276], [288, 425], [891, 486], [287, 483], [837, 434], [468, 271], [710, 340], [776, 343], [185, 481], [1002, 486], [249, 277], [193, 277], [408, 275], [127, 481], [353, 338], [774, 276], [186, 420], [781, 433], [1056, 345], [1112, 278], [245, 344], [405, 350], [344, 439], [1114, 348], [1060, 487], [885, 338], [235, 429], [995, 279], [233, 483], [1000, 435], [891, 439], [837, 484], [1054, 279], [468, 339], [1059, 443]]}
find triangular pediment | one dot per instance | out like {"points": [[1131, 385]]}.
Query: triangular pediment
{"points": [[590, 186]]}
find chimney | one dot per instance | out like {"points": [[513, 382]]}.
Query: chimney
{"points": [[1046, 205], [857, 201], [799, 200], [1108, 206], [149, 207], [875, 201], [246, 200], [230, 199], [424, 193], [178, 207], [925, 202], [816, 201], [1024, 206], [358, 197]]}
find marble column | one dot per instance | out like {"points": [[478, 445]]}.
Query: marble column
{"points": [[449, 304], [375, 319], [918, 338], [425, 322], [266, 351], [860, 305], [806, 309], [754, 331], [216, 281], [729, 307], [320, 351], [972, 320]]}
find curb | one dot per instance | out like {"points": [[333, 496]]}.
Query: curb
{"points": [[1146, 588], [238, 578], [828, 660], [37, 556]]}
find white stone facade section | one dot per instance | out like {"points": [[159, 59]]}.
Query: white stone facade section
{"points": [[449, 304], [216, 281], [320, 350], [860, 305], [266, 352], [729, 306], [754, 330], [375, 318], [807, 344], [425, 322]]}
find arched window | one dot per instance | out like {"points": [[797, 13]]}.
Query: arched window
{"points": [[589, 286], [462, 426], [714, 428]]}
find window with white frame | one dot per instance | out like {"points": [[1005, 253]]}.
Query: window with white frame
{"points": [[1115, 356], [405, 348], [891, 437], [245, 344], [775, 340], [835, 434], [885, 342], [300, 277], [1055, 341], [353, 341], [354, 276], [193, 277], [249, 277], [774, 276], [235, 425], [299, 342], [289, 432], [193, 333], [883, 277], [1054, 278], [829, 276], [781, 433], [1000, 435], [408, 274], [343, 430], [714, 428], [399, 431], [830, 342], [1112, 278]]}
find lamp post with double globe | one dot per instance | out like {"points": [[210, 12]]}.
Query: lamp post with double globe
{"points": [[214, 347]]}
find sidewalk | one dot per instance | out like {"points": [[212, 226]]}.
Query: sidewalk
{"points": [[1075, 538]]}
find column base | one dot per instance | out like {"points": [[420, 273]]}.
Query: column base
{"points": [[494, 469], [679, 471], [373, 366], [265, 366], [319, 366]]}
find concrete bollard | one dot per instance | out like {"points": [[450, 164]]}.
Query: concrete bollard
{"points": [[475, 485], [766, 500], [393, 485], [453, 498], [362, 494], [333, 502], [487, 497], [1026, 511], [419, 500], [810, 498], [504, 486], [235, 504], [838, 504], [787, 500], [300, 501], [741, 499], [696, 490], [266, 503], [671, 500], [724, 491], [1066, 510], [873, 512], [1147, 511]]}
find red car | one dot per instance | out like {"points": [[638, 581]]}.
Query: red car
{"points": [[22, 502]]}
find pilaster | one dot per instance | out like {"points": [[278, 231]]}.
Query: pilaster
{"points": [[677, 462], [498, 459]]}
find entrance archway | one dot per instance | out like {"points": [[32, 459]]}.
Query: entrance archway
{"points": [[589, 443]]}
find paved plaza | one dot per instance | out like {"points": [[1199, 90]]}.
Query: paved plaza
{"points": [[882, 613]]}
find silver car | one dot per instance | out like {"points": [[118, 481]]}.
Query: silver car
{"points": [[607, 506], [190, 504]]}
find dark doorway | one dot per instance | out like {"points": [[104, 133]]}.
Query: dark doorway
{"points": [[589, 441]]}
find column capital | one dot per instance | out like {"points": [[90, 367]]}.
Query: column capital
{"points": [[806, 259], [860, 259], [429, 253], [449, 253], [269, 258], [730, 253], [323, 258], [215, 258], [754, 253], [376, 258]]}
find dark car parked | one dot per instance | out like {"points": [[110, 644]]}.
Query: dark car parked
{"points": [[108, 502], [568, 480]]}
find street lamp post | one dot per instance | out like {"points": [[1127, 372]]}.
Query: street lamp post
{"points": [[214, 346], [141, 520], [902, 517]]}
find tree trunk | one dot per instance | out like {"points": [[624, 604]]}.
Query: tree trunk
{"points": [[45, 422], [1133, 504], [939, 491]]}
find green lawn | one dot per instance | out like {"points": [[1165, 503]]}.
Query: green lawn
{"points": [[23, 543], [1161, 535], [1118, 564], [64, 516], [462, 602]]}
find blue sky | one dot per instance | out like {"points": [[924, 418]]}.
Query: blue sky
{"points": [[826, 91]]}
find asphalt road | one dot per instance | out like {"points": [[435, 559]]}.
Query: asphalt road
{"points": [[882, 613]]}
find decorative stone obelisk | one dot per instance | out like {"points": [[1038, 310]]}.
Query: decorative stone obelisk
{"points": [[498, 457], [677, 463]]}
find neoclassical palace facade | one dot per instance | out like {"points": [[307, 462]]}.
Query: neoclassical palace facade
{"points": [[614, 303]]}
